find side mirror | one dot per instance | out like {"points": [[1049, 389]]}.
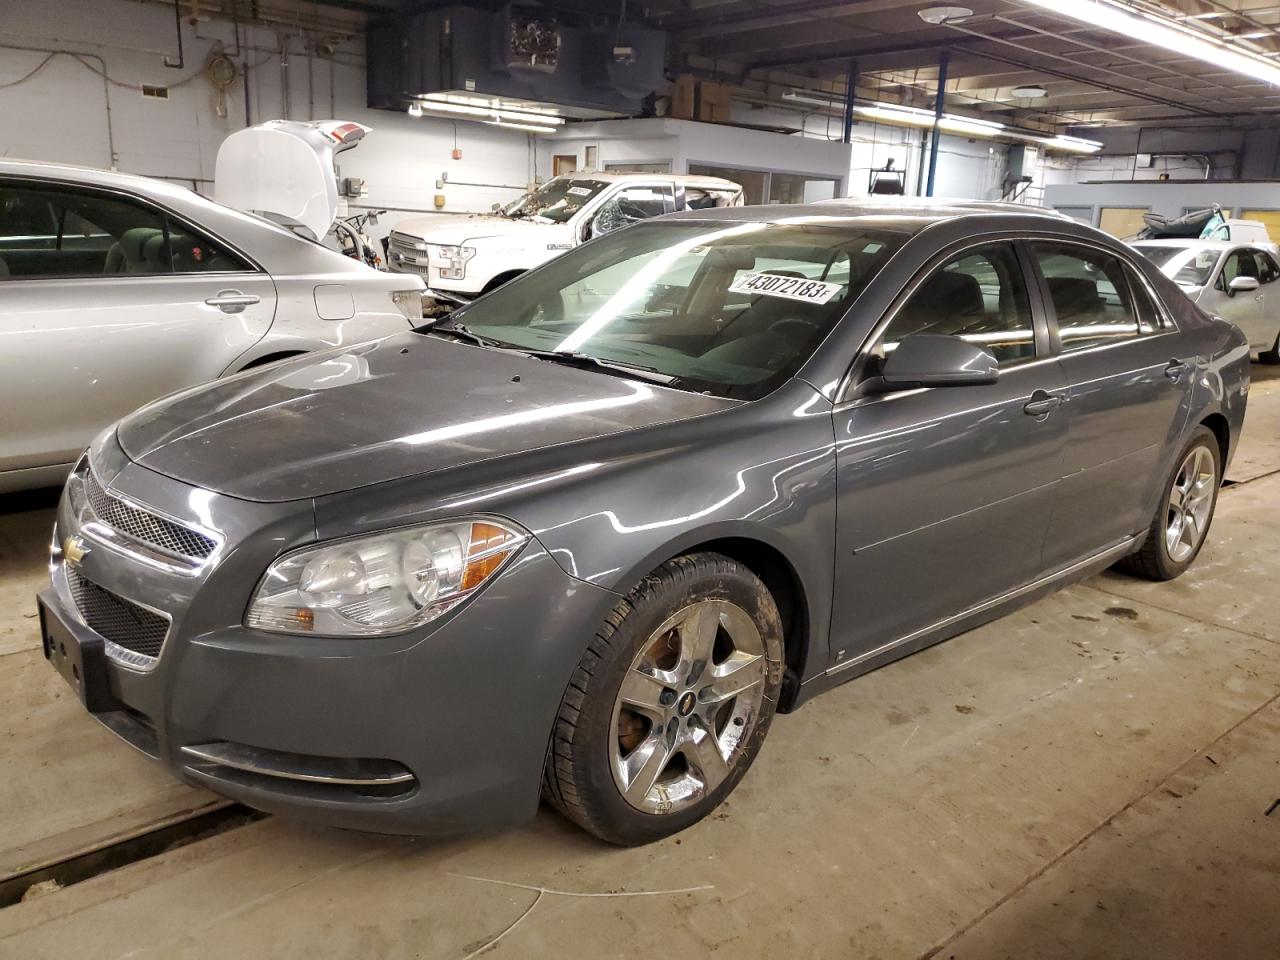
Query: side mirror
{"points": [[936, 360], [1242, 285]]}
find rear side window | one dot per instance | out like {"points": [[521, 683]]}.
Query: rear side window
{"points": [[980, 296], [58, 232], [1092, 294], [1268, 271]]}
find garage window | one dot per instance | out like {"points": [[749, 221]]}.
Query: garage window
{"points": [[57, 232]]}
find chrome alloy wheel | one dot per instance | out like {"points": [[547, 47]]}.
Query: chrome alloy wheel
{"points": [[690, 698], [1190, 500]]}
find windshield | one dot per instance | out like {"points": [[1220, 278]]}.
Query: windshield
{"points": [[1186, 266], [556, 200], [730, 308]]}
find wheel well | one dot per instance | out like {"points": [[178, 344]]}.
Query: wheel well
{"points": [[500, 279], [272, 358], [1217, 423], [780, 578]]}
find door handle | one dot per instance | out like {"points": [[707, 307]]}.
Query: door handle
{"points": [[232, 301], [1041, 403], [1176, 369]]}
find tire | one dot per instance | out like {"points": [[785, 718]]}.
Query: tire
{"points": [[1271, 357], [1158, 559], [636, 766]]}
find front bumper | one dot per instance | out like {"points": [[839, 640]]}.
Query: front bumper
{"points": [[436, 731]]}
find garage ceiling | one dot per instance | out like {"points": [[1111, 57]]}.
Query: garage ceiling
{"points": [[1091, 77]]}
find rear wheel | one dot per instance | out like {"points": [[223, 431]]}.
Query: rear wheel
{"points": [[670, 703], [1182, 520]]}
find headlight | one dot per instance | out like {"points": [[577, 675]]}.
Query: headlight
{"points": [[409, 303], [453, 261], [383, 584]]}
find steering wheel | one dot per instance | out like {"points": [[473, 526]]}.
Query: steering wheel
{"points": [[799, 325]]}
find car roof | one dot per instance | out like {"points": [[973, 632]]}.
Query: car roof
{"points": [[90, 175], [911, 214], [611, 176]]}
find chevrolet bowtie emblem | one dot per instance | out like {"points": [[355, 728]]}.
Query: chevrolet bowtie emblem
{"points": [[74, 549]]}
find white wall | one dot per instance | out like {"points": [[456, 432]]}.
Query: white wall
{"points": [[60, 114], [1169, 199]]}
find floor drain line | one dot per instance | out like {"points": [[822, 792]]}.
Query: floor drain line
{"points": [[85, 866]]}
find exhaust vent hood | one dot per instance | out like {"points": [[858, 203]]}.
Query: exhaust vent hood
{"points": [[518, 56]]}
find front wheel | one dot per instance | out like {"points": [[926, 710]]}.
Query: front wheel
{"points": [[1182, 519], [670, 703]]}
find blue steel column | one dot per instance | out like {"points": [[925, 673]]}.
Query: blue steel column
{"points": [[850, 85], [943, 62]]}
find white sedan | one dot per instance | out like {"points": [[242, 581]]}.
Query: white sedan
{"points": [[1234, 281], [117, 289]]}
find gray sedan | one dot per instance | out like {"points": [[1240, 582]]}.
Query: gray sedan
{"points": [[116, 289], [584, 537]]}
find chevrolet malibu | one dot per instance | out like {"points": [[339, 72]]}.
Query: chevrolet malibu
{"points": [[583, 538]]}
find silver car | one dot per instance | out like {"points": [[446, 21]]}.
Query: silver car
{"points": [[119, 289], [1229, 280]]}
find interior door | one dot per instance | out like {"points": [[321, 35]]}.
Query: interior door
{"points": [[1129, 389], [86, 341], [944, 493]]}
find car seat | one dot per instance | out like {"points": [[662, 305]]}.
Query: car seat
{"points": [[1076, 300]]}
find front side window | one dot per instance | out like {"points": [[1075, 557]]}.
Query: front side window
{"points": [[730, 308], [1091, 295], [1239, 263], [631, 204], [1268, 270], [979, 296], [62, 232]]}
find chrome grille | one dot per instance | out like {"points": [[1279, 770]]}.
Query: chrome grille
{"points": [[165, 535], [117, 620]]}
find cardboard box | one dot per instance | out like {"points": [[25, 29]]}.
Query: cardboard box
{"points": [[713, 105], [682, 97]]}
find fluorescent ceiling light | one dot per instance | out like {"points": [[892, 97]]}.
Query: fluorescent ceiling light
{"points": [[1165, 33], [817, 99], [535, 127], [541, 122], [1071, 144]]}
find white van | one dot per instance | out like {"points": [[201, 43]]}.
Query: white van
{"points": [[1243, 231], [463, 256]]}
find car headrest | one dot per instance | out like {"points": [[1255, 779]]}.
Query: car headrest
{"points": [[133, 242], [1073, 296], [952, 294], [153, 252]]}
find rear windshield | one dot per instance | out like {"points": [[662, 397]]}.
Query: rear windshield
{"points": [[729, 308], [1183, 265]]}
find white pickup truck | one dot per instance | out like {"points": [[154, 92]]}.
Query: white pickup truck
{"points": [[463, 256]]}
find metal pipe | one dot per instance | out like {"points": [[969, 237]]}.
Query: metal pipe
{"points": [[177, 27], [944, 61], [850, 94]]}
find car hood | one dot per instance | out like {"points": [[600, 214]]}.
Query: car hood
{"points": [[404, 406], [457, 230]]}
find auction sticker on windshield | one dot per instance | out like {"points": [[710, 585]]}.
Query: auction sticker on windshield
{"points": [[793, 288]]}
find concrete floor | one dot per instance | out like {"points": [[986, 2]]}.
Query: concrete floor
{"points": [[1088, 777]]}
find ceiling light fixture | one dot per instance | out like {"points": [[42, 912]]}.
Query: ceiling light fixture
{"points": [[518, 119], [941, 15], [1165, 33], [1029, 93], [533, 127]]}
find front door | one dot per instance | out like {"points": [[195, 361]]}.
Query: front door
{"points": [[944, 492], [1245, 308], [118, 303], [1129, 390]]}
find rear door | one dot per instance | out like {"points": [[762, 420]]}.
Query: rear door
{"points": [[1129, 385], [123, 303], [1265, 324]]}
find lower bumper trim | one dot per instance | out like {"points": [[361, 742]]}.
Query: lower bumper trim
{"points": [[302, 767]]}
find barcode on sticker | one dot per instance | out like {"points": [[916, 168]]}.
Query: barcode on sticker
{"points": [[793, 288]]}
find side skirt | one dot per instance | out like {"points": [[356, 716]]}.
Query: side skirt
{"points": [[966, 620]]}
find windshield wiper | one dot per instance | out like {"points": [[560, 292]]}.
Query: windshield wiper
{"points": [[459, 332], [635, 371]]}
